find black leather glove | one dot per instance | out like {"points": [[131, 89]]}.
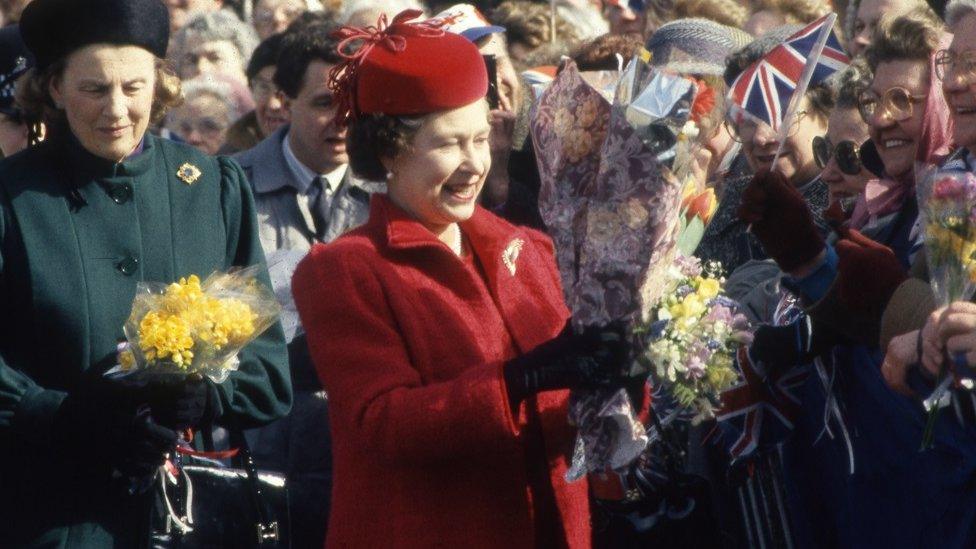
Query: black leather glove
{"points": [[184, 402], [104, 423], [594, 358], [141, 445], [786, 346]]}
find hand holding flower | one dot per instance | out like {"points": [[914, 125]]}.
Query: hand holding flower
{"points": [[901, 354], [957, 331]]}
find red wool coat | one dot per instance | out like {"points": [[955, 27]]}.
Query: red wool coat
{"points": [[409, 342]]}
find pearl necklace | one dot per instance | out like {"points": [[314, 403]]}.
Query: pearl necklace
{"points": [[457, 243]]}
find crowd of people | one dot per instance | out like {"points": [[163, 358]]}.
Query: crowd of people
{"points": [[374, 160]]}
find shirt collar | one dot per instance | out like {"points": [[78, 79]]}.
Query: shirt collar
{"points": [[303, 176]]}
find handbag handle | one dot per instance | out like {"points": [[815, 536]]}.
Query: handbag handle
{"points": [[267, 527]]}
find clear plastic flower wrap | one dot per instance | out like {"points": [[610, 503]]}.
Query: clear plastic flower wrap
{"points": [[948, 217], [947, 214], [194, 327]]}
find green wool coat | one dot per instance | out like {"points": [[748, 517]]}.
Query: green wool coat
{"points": [[77, 233]]}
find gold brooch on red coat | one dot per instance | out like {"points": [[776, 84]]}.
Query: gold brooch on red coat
{"points": [[188, 173], [511, 253]]}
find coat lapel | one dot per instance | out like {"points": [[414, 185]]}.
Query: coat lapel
{"points": [[505, 253], [509, 261]]}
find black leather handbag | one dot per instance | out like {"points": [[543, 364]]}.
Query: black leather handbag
{"points": [[205, 506]]}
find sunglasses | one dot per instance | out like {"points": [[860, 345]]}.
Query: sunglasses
{"points": [[897, 102], [847, 154]]}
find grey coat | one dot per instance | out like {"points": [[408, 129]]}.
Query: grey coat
{"points": [[284, 219]]}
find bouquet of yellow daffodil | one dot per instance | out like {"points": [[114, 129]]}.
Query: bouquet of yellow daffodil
{"points": [[691, 337], [191, 326]]}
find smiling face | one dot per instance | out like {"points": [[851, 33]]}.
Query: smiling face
{"points": [[438, 177], [897, 142], [796, 161], [107, 94], [959, 88], [844, 125]]}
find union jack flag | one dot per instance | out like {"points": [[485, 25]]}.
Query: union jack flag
{"points": [[745, 406], [765, 88]]}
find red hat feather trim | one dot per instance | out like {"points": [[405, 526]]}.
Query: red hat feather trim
{"points": [[404, 69]]}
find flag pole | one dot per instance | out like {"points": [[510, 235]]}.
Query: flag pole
{"points": [[552, 21], [801, 89]]}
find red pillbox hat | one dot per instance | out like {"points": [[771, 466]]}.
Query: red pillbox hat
{"points": [[406, 69]]}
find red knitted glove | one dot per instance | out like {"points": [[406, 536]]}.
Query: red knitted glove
{"points": [[781, 220], [868, 273]]}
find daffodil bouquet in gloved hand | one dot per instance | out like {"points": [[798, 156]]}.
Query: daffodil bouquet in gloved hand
{"points": [[194, 327]]}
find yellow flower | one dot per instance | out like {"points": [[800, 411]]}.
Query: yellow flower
{"points": [[187, 316], [688, 310], [127, 360], [709, 288], [166, 337]]}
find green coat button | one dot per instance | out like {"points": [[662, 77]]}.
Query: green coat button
{"points": [[121, 193], [128, 266]]}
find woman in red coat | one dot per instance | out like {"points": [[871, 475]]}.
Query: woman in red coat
{"points": [[438, 329]]}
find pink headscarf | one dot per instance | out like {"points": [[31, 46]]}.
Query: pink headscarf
{"points": [[884, 196]]}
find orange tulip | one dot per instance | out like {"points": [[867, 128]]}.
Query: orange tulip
{"points": [[702, 205]]}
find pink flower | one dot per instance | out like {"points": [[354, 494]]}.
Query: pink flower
{"points": [[696, 368], [953, 187], [719, 313]]}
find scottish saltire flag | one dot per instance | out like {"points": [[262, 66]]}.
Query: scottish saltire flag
{"points": [[757, 400], [765, 88]]}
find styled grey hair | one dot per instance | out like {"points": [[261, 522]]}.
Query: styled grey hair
{"points": [[219, 88], [957, 9], [849, 83], [212, 26]]}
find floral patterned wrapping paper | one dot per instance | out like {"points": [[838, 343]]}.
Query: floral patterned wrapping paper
{"points": [[611, 209]]}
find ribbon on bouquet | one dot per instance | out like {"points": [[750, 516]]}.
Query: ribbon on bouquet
{"points": [[186, 450]]}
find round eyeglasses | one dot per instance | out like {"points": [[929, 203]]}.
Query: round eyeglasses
{"points": [[897, 103], [958, 65]]}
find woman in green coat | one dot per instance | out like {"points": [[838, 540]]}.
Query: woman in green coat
{"points": [[96, 208]]}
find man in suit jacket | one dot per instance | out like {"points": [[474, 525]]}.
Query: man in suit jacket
{"points": [[304, 193]]}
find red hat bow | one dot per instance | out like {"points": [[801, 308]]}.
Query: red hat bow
{"points": [[392, 36]]}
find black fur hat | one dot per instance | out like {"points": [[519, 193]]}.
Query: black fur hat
{"points": [[54, 28]]}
